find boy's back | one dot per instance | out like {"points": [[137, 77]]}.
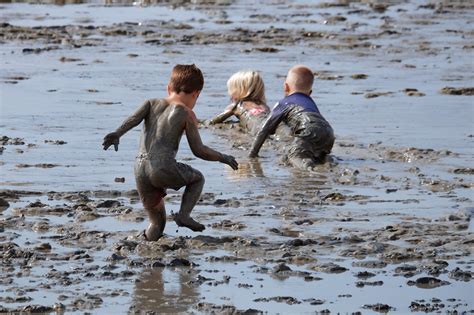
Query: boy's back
{"points": [[163, 128]]}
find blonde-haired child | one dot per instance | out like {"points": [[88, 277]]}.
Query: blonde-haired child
{"points": [[247, 93]]}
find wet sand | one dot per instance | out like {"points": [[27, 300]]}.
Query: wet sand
{"points": [[384, 227]]}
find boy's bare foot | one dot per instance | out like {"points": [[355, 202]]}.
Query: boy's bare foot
{"points": [[190, 223], [152, 234]]}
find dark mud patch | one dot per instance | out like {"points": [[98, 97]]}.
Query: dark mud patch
{"points": [[329, 268], [427, 307], [69, 59], [460, 275], [5, 140], [55, 142], [413, 92], [39, 50], [33, 309], [279, 299], [457, 91], [466, 171], [428, 283], [229, 225], [4, 204], [359, 76], [14, 79], [39, 165], [416, 154], [381, 308], [377, 94]]}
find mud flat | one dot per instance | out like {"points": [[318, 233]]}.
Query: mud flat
{"points": [[385, 226]]}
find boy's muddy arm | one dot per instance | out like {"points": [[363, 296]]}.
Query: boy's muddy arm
{"points": [[257, 144], [129, 123], [204, 152], [268, 128]]}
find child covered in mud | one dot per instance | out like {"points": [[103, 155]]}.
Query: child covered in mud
{"points": [[313, 136], [247, 94], [156, 169]]}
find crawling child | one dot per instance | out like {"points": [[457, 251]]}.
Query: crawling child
{"points": [[247, 93], [156, 168], [313, 136]]}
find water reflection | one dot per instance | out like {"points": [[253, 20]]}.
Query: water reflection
{"points": [[310, 184], [247, 169], [164, 290]]}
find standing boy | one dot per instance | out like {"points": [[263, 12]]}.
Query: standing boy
{"points": [[313, 136], [156, 168]]}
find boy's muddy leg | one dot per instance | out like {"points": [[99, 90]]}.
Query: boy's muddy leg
{"points": [[157, 215], [299, 157], [191, 195], [155, 206], [302, 163], [307, 154]]}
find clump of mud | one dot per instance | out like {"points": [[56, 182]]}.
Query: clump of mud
{"points": [[457, 91]]}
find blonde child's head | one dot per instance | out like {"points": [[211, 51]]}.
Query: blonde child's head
{"points": [[246, 85]]}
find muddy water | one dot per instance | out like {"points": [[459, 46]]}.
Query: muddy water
{"points": [[384, 227]]}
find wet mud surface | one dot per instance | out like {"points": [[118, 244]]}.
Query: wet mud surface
{"points": [[384, 226]]}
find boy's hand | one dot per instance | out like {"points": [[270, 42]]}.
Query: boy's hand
{"points": [[111, 138], [230, 160]]}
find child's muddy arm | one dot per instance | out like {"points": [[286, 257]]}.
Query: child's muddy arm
{"points": [[257, 144], [134, 120], [129, 123], [268, 128], [229, 111], [202, 151], [221, 117]]}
